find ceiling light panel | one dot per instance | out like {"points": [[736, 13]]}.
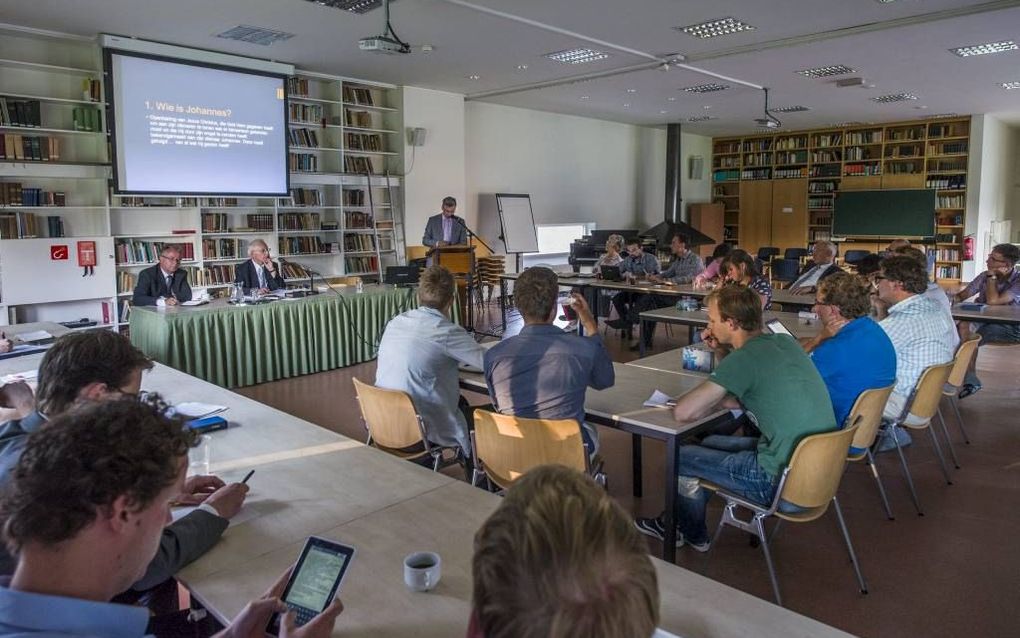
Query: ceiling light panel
{"points": [[790, 109], [702, 118], [715, 28], [354, 6], [1010, 86], [705, 88], [894, 97], [984, 49], [826, 71], [580, 55], [254, 35], [845, 124], [940, 116]]}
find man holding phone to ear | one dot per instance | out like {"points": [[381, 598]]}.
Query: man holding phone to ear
{"points": [[89, 499], [259, 273]]}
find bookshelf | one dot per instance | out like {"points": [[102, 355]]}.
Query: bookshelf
{"points": [[914, 154], [343, 215]]}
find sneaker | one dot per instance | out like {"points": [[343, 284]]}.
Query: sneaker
{"points": [[969, 389], [653, 527], [886, 442]]}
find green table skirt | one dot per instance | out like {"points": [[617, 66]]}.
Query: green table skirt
{"points": [[235, 346]]}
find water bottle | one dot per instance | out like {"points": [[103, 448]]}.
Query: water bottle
{"points": [[236, 293], [359, 285]]}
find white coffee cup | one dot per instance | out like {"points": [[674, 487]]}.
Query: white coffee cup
{"points": [[422, 571]]}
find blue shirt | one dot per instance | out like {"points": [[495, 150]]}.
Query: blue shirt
{"points": [[860, 357], [646, 264], [13, 436], [42, 616], [543, 373]]}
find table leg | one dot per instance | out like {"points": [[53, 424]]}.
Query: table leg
{"points": [[635, 459], [641, 337], [502, 302], [669, 516]]}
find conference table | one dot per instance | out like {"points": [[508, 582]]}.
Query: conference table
{"points": [[621, 407], [802, 328], [310, 481], [240, 345]]}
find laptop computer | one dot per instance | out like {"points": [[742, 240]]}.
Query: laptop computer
{"points": [[611, 273], [401, 275]]}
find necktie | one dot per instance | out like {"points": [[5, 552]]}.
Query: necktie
{"points": [[262, 277], [169, 281]]}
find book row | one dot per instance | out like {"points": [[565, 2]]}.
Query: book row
{"points": [[129, 251], [31, 148], [14, 194]]}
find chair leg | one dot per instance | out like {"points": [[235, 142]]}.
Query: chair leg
{"points": [[959, 419], [849, 545], [775, 530], [727, 512], [759, 525], [938, 453], [949, 441], [881, 487], [906, 472]]}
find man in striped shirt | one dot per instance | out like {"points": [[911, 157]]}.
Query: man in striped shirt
{"points": [[922, 333]]}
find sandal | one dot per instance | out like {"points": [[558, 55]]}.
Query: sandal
{"points": [[969, 389]]}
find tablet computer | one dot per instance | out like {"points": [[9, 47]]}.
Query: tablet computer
{"points": [[611, 273], [314, 581], [777, 327]]}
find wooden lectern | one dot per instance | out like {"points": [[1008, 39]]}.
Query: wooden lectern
{"points": [[459, 260]]}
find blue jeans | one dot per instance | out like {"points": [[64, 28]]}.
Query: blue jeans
{"points": [[731, 462]]}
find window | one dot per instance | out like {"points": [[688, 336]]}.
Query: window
{"points": [[555, 239]]}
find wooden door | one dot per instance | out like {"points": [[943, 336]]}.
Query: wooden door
{"points": [[789, 213], [708, 218], [755, 214]]}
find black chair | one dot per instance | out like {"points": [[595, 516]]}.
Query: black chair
{"points": [[854, 256], [766, 253], [795, 253], [785, 270]]}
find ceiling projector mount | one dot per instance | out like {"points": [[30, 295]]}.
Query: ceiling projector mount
{"points": [[388, 41], [769, 121]]}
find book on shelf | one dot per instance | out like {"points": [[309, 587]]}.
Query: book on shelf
{"points": [[133, 251], [360, 264], [299, 221], [363, 142], [55, 226], [91, 90], [86, 118], [310, 113], [218, 202], [18, 226], [359, 96], [126, 281], [303, 137], [361, 242], [27, 113], [353, 197], [304, 197], [946, 182], [306, 245], [359, 165], [293, 271], [215, 223], [29, 148], [260, 221], [330, 225], [16, 194], [357, 220], [298, 87], [357, 119], [303, 162], [125, 310], [224, 248]]}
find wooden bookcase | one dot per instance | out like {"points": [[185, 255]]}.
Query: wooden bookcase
{"points": [[777, 189]]}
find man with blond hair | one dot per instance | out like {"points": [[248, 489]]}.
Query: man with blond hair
{"points": [[259, 273], [419, 353], [560, 558]]}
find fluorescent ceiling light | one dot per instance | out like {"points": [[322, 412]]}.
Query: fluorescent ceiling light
{"points": [[702, 118], [254, 35], [1009, 86], [706, 88], [577, 56], [894, 97], [826, 71], [715, 28], [845, 124], [791, 109], [940, 116], [984, 49], [354, 6]]}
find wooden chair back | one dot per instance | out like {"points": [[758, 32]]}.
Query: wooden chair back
{"points": [[928, 391], [508, 446], [867, 415], [964, 353], [389, 415], [416, 252], [816, 468]]}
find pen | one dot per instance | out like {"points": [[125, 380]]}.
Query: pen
{"points": [[245, 481]]}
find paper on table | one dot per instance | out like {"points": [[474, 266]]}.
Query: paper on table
{"points": [[195, 410], [35, 335], [248, 512], [195, 302], [27, 375], [659, 400]]}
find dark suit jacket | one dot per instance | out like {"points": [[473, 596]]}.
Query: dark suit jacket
{"points": [[183, 540], [246, 275], [151, 286], [434, 231], [828, 272]]}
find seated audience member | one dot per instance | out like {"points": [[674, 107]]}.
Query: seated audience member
{"points": [[419, 352], [559, 558], [543, 372], [99, 365], [259, 273], [774, 381], [711, 272], [933, 291], [896, 244], [613, 255], [636, 265], [823, 264], [6, 345], [999, 285], [921, 332], [869, 265], [17, 400], [740, 268], [685, 267], [164, 284], [852, 352], [84, 511]]}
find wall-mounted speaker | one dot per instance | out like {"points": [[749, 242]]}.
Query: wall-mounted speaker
{"points": [[416, 136]]}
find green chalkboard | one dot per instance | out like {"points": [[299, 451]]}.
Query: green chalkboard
{"points": [[884, 213]]}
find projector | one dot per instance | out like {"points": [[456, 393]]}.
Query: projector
{"points": [[382, 44], [766, 123]]}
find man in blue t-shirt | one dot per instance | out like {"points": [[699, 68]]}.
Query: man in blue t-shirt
{"points": [[852, 352]]}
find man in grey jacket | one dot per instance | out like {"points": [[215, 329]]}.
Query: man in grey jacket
{"points": [[445, 229], [96, 365]]}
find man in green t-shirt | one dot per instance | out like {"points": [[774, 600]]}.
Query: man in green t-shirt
{"points": [[774, 382]]}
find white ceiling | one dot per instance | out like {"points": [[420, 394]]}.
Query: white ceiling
{"points": [[897, 57]]}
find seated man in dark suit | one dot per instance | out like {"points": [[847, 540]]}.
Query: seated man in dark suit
{"points": [[823, 264], [258, 273], [98, 365], [163, 284], [445, 229]]}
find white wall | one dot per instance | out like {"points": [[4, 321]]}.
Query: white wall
{"points": [[438, 168], [994, 147]]}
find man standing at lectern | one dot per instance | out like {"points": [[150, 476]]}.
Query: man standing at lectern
{"points": [[445, 229]]}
